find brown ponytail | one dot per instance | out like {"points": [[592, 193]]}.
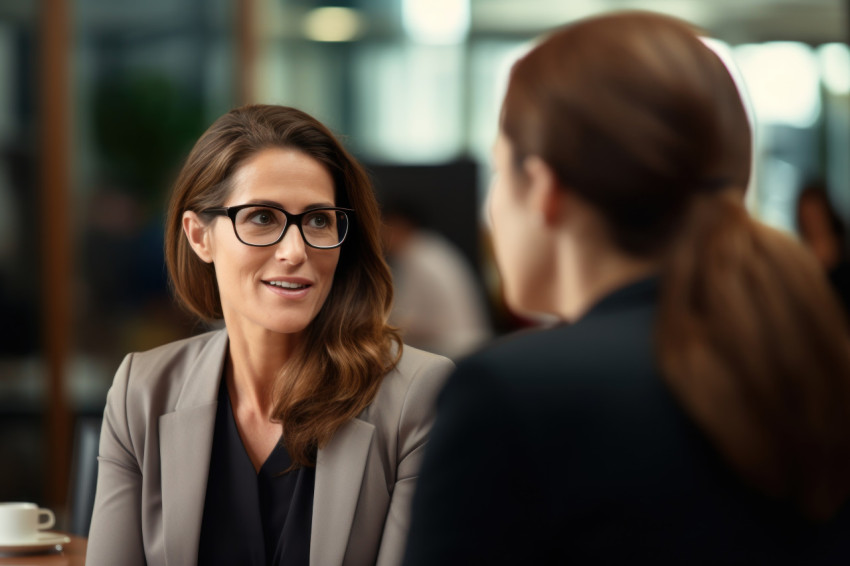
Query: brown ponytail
{"points": [[752, 341]]}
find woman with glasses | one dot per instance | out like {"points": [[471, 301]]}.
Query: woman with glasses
{"points": [[294, 434], [695, 406]]}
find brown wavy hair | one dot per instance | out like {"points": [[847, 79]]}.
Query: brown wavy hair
{"points": [[637, 116], [349, 346]]}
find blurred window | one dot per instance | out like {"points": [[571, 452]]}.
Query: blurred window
{"points": [[783, 81]]}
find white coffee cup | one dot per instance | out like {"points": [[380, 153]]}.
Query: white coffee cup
{"points": [[22, 522]]}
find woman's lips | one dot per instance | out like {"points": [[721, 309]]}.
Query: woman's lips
{"points": [[288, 288], [287, 284]]}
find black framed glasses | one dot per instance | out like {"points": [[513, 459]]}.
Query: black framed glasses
{"points": [[265, 225]]}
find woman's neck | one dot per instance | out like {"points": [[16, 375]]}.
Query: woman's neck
{"points": [[253, 366], [588, 275]]}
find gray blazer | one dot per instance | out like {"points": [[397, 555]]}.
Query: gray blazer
{"points": [[155, 453]]}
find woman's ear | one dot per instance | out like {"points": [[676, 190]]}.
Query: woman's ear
{"points": [[198, 235], [547, 196]]}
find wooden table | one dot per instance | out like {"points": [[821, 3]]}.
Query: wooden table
{"points": [[72, 554]]}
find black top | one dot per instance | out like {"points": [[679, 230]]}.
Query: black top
{"points": [[253, 518], [565, 446]]}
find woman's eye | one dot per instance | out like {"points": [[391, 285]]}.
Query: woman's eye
{"points": [[319, 220], [261, 217]]}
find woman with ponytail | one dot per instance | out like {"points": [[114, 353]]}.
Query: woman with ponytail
{"points": [[694, 406]]}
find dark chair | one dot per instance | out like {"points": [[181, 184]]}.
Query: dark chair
{"points": [[83, 475]]}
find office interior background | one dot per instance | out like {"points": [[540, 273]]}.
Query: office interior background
{"points": [[100, 101]]}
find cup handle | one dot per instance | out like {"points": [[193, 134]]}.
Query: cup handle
{"points": [[51, 519]]}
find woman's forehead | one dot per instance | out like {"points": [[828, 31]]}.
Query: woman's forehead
{"points": [[282, 176]]}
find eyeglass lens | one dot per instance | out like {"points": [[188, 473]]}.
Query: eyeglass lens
{"points": [[260, 225]]}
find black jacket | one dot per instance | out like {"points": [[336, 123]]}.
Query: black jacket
{"points": [[566, 446]]}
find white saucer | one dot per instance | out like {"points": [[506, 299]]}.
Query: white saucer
{"points": [[42, 541]]}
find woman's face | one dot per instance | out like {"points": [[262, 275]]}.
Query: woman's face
{"points": [[278, 288], [519, 246]]}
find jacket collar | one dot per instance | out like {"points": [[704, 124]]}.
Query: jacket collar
{"points": [[185, 442], [340, 467], [635, 293]]}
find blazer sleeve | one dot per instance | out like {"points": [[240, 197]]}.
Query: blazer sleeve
{"points": [[415, 421], [115, 536]]}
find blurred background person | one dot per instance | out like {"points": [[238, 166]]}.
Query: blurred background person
{"points": [[437, 305], [822, 230], [695, 406], [235, 446]]}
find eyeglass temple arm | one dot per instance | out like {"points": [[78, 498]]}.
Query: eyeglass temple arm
{"points": [[219, 211]]}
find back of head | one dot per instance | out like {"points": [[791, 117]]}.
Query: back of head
{"points": [[637, 116]]}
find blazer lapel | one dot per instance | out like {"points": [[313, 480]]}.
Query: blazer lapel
{"points": [[339, 473], [185, 441]]}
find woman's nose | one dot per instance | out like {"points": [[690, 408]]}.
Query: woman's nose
{"points": [[291, 247]]}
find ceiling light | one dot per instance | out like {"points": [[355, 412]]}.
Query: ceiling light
{"points": [[333, 23], [436, 21]]}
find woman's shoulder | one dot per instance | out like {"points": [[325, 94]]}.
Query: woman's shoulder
{"points": [[410, 389], [415, 363], [162, 373], [419, 372], [181, 354], [190, 348]]}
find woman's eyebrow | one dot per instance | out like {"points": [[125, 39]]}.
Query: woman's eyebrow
{"points": [[311, 206], [263, 202], [319, 205]]}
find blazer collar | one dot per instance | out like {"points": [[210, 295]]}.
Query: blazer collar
{"points": [[340, 467], [185, 440], [639, 292]]}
